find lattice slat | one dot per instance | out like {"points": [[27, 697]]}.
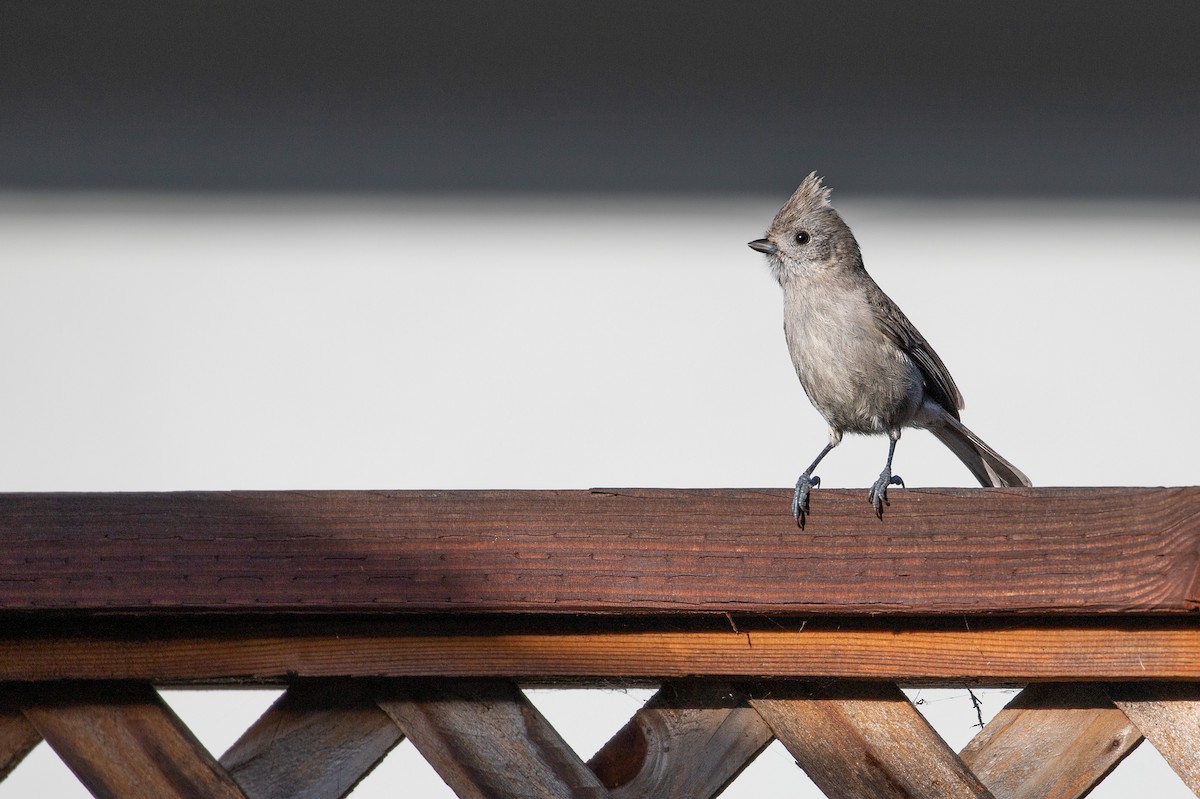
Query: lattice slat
{"points": [[317, 741], [123, 742], [1052, 741], [688, 742], [859, 740], [1168, 714], [17, 739], [487, 741]]}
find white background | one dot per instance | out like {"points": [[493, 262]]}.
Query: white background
{"points": [[259, 342]]}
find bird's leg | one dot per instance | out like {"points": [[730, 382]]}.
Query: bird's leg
{"points": [[878, 496], [808, 481]]}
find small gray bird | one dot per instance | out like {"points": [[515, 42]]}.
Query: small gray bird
{"points": [[861, 362]]}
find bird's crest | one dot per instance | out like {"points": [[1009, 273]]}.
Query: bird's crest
{"points": [[812, 193], [811, 196]]}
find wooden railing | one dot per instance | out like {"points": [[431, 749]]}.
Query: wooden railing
{"points": [[418, 614]]}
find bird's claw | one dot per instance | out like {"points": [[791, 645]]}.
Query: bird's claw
{"points": [[805, 484], [878, 495]]}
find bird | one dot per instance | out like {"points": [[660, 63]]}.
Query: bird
{"points": [[862, 363]]}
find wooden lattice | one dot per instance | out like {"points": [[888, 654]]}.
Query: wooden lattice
{"points": [[417, 615]]}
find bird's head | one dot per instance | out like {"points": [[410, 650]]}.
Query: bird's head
{"points": [[808, 234]]}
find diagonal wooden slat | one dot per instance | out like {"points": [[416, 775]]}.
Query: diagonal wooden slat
{"points": [[487, 741], [317, 741], [1052, 741], [688, 742], [123, 742], [17, 739], [864, 741], [1168, 714]]}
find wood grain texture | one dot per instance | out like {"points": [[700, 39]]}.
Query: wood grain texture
{"points": [[17, 739], [1168, 714], [688, 742], [864, 741], [968, 651], [1052, 741], [936, 551], [487, 741], [317, 741], [123, 742]]}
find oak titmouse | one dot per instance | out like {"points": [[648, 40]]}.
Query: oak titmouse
{"points": [[861, 362]]}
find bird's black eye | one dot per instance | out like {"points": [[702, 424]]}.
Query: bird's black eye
{"points": [[802, 237]]}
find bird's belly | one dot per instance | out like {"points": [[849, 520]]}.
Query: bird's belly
{"points": [[860, 384]]}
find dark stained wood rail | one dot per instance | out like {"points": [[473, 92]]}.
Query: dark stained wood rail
{"points": [[936, 552], [418, 615]]}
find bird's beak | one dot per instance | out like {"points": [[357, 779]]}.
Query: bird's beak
{"points": [[764, 246]]}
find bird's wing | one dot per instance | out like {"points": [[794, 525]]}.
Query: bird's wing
{"points": [[939, 385]]}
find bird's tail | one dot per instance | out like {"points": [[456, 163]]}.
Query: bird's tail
{"points": [[985, 463]]}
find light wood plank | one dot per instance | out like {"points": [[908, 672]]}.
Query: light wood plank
{"points": [[864, 741], [688, 742], [1052, 741], [1169, 716], [969, 651], [937, 551], [487, 741], [317, 741], [123, 742]]}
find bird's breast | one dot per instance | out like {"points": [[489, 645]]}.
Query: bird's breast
{"points": [[853, 373]]}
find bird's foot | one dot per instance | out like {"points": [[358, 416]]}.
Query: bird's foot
{"points": [[806, 483], [878, 496]]}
